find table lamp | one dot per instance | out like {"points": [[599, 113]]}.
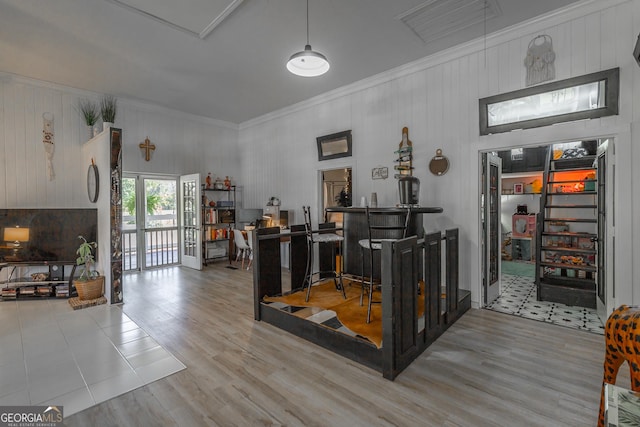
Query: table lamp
{"points": [[16, 235]]}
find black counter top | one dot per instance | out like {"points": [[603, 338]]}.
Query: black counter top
{"points": [[354, 209]]}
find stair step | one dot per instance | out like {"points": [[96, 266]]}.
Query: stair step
{"points": [[588, 220]]}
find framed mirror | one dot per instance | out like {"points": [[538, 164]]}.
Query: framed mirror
{"points": [[334, 146]]}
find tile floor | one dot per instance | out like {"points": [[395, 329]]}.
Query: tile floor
{"points": [[54, 355], [519, 298]]}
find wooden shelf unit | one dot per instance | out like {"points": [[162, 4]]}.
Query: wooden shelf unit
{"points": [[217, 222]]}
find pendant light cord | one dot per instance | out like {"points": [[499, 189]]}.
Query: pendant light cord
{"points": [[307, 21]]}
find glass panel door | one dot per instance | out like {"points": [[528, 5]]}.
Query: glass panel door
{"points": [[130, 237], [160, 222], [492, 236], [190, 249]]}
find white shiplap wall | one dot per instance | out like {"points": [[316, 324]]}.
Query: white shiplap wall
{"points": [[184, 143], [437, 98]]}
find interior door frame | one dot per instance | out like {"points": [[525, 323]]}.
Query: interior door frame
{"points": [[606, 242], [486, 159]]}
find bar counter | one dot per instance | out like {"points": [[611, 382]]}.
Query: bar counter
{"points": [[354, 223]]}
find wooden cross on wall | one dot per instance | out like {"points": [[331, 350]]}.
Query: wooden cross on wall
{"points": [[148, 147]]}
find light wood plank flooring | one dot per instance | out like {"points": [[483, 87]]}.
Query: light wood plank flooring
{"points": [[488, 369]]}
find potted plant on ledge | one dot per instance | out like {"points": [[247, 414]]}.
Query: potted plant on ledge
{"points": [[89, 112], [108, 108], [90, 284]]}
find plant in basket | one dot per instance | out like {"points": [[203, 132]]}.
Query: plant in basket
{"points": [[89, 284]]}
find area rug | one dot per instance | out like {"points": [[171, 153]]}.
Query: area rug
{"points": [[349, 312]]}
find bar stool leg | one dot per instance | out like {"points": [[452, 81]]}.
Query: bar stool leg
{"points": [[338, 276], [309, 273]]}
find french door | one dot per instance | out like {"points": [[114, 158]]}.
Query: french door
{"points": [[605, 243], [149, 221], [190, 222], [491, 227]]}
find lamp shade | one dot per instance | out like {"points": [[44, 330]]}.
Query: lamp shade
{"points": [[308, 63], [16, 234]]}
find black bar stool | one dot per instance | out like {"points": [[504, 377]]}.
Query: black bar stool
{"points": [[320, 238], [382, 225]]}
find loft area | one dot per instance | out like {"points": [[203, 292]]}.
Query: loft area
{"points": [[532, 159]]}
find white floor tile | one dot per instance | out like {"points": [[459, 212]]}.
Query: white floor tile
{"points": [[114, 386], [20, 398], [133, 347], [519, 297], [56, 381], [72, 402], [160, 369], [51, 353], [93, 372], [120, 337], [13, 378], [119, 328]]}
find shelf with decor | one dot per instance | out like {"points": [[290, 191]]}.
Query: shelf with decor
{"points": [[218, 219], [53, 283]]}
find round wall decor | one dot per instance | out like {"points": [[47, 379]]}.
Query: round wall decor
{"points": [[93, 182]]}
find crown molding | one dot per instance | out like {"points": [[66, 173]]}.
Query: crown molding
{"points": [[8, 78]]}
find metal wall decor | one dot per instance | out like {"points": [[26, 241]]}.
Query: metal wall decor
{"points": [[380, 173], [540, 60], [147, 148]]}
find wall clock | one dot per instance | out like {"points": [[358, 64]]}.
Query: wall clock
{"points": [[93, 182]]}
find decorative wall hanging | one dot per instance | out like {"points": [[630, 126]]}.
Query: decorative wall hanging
{"points": [[439, 164], [47, 141], [380, 173], [540, 60], [147, 148], [404, 166], [116, 215]]}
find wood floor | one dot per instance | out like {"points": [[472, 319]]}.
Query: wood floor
{"points": [[488, 369]]}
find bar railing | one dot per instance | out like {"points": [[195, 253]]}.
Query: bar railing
{"points": [[404, 264]]}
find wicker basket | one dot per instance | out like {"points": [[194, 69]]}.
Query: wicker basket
{"points": [[90, 289]]}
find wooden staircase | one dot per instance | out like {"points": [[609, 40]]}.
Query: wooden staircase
{"points": [[567, 231]]}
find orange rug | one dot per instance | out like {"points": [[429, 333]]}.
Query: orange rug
{"points": [[349, 312]]}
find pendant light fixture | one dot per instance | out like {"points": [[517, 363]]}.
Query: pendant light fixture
{"points": [[308, 63]]}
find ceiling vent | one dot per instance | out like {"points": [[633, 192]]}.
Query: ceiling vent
{"points": [[435, 19]]}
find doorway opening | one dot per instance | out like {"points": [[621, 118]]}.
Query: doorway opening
{"points": [[549, 221], [149, 221], [336, 191]]}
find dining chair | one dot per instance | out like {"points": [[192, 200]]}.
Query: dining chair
{"points": [[242, 247]]}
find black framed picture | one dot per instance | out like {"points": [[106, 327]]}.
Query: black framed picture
{"points": [[334, 146]]}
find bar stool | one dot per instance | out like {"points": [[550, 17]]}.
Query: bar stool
{"points": [[320, 238], [381, 227]]}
